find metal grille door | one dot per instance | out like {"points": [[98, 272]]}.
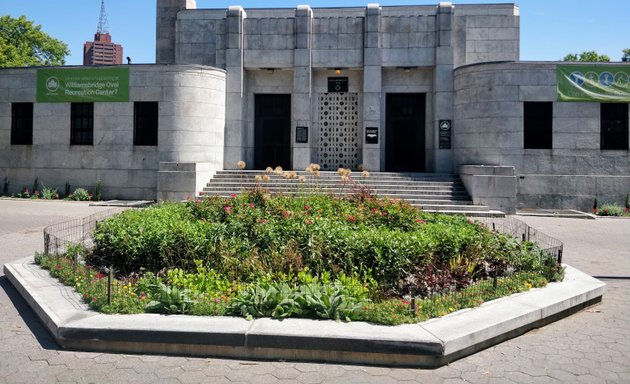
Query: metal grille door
{"points": [[339, 131]]}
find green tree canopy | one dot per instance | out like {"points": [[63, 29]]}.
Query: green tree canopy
{"points": [[626, 55], [23, 43], [590, 56]]}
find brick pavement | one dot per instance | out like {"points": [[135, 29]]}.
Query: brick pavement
{"points": [[592, 346]]}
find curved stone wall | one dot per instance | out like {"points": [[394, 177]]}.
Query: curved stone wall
{"points": [[191, 124], [488, 129]]}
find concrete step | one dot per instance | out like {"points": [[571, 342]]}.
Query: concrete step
{"points": [[459, 199], [444, 193], [335, 186]]}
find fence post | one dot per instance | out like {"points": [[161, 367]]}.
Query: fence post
{"points": [[46, 242], [560, 256], [109, 285]]}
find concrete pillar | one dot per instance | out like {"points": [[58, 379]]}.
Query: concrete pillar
{"points": [[166, 23], [236, 147], [302, 87], [373, 154], [441, 160]]}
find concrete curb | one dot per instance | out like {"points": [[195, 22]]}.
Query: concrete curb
{"points": [[429, 344]]}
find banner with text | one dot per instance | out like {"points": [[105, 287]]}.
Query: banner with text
{"points": [[602, 83], [64, 85]]}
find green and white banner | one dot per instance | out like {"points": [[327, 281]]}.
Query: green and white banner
{"points": [[64, 85], [593, 82]]}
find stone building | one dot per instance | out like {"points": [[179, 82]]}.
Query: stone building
{"points": [[437, 89]]}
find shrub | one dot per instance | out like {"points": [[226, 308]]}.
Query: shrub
{"points": [[610, 210], [80, 194]]}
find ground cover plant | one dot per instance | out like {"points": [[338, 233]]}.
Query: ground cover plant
{"points": [[318, 256]]}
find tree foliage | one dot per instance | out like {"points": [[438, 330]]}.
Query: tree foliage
{"points": [[23, 43], [588, 56], [626, 55]]}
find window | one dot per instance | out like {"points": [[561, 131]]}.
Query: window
{"points": [[614, 126], [145, 123], [82, 124], [537, 124], [22, 123]]}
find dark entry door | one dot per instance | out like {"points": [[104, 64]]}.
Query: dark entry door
{"points": [[272, 127], [404, 125]]}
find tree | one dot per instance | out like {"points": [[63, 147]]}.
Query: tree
{"points": [[23, 43], [626, 55], [590, 56]]}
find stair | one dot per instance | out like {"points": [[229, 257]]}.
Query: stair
{"points": [[431, 192]]}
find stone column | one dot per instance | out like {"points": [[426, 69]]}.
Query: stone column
{"points": [[302, 87], [373, 159], [235, 135], [443, 89], [166, 28]]}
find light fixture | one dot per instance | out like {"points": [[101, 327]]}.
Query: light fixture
{"points": [[269, 70], [337, 71]]}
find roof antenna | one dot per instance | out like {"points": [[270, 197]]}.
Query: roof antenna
{"points": [[103, 25]]}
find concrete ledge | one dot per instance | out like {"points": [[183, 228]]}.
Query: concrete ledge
{"points": [[429, 344]]}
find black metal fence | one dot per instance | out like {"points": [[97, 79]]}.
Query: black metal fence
{"points": [[58, 237], [520, 230]]}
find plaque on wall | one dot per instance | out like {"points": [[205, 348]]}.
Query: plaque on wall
{"points": [[445, 134], [337, 84], [301, 134], [371, 135]]}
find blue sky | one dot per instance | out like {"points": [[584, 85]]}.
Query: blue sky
{"points": [[549, 29]]}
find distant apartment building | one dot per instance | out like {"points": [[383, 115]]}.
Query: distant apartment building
{"points": [[102, 51]]}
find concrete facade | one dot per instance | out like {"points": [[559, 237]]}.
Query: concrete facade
{"points": [[381, 50], [190, 131], [489, 130]]}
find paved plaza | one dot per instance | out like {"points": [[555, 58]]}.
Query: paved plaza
{"points": [[592, 346]]}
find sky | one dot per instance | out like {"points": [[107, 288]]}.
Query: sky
{"points": [[550, 29]]}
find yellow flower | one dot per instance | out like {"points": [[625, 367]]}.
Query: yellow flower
{"points": [[278, 170], [302, 179], [265, 177], [365, 173], [269, 170], [258, 177], [241, 164]]}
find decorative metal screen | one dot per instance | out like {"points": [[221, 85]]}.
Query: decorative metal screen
{"points": [[339, 131]]}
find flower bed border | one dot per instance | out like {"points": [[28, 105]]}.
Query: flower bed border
{"points": [[432, 343]]}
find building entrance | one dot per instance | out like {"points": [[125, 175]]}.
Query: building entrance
{"points": [[272, 131], [338, 144], [404, 127]]}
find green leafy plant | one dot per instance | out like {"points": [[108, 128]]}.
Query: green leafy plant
{"points": [[80, 194], [98, 191], [171, 300], [49, 193], [610, 210]]}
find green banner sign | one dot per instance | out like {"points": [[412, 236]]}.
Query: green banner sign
{"points": [[63, 85], [601, 83]]}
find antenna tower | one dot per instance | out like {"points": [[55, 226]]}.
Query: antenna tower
{"points": [[103, 25]]}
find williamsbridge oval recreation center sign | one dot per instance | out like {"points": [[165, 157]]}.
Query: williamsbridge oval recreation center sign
{"points": [[602, 83], [64, 85]]}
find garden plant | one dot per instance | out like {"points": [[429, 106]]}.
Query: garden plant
{"points": [[318, 256]]}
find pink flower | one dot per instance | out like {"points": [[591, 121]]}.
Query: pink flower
{"points": [[352, 219], [420, 221], [285, 214], [307, 207], [251, 205], [202, 193], [232, 194], [227, 209], [262, 221], [308, 222], [57, 267]]}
